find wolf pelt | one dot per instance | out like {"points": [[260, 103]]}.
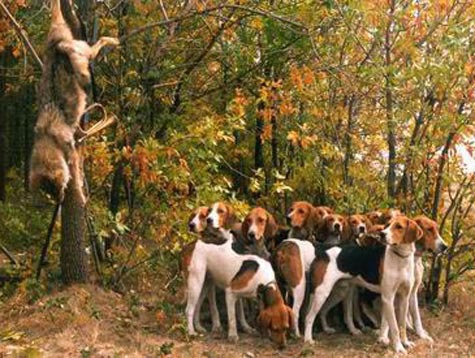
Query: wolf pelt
{"points": [[62, 101]]}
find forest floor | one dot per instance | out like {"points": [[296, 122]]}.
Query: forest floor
{"points": [[87, 321]]}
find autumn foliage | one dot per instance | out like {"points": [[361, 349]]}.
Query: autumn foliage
{"points": [[353, 104]]}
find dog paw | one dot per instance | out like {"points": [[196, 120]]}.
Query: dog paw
{"points": [[200, 329], [296, 334], [408, 344], [399, 348], [216, 329], [309, 341], [383, 340], [424, 335], [233, 338], [356, 332], [329, 330], [249, 330]]}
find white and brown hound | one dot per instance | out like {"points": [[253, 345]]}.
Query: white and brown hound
{"points": [[305, 219], [239, 276], [293, 257], [388, 269]]}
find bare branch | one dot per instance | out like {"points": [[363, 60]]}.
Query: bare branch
{"points": [[21, 33]]}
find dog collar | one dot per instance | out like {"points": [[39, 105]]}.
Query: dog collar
{"points": [[399, 254]]}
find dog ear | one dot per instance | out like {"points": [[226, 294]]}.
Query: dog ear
{"points": [[245, 227], [231, 217], [313, 221], [413, 232], [346, 231], [271, 227], [367, 222]]}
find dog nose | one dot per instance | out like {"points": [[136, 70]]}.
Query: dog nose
{"points": [[209, 220], [251, 235], [191, 226], [382, 236], [337, 226], [362, 229]]}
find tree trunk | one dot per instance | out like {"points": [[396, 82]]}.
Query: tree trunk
{"points": [[4, 63], [258, 148], [348, 142], [391, 136], [275, 144], [73, 260]]}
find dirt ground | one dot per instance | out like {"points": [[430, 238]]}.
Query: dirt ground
{"points": [[86, 321]]}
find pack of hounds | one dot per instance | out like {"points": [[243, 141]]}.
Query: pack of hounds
{"points": [[370, 263]]}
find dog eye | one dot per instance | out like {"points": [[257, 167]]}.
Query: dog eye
{"points": [[300, 211], [260, 220], [431, 229], [398, 226], [220, 211]]}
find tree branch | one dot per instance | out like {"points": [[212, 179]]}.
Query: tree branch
{"points": [[21, 33]]}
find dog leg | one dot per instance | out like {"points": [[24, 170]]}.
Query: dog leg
{"points": [[357, 309], [368, 312], [415, 315], [337, 295], [320, 296], [402, 315], [348, 308], [298, 293], [196, 279], [103, 41], [216, 321], [196, 317], [390, 316], [384, 331], [231, 308], [242, 318]]}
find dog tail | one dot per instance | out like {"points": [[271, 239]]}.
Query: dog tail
{"points": [[56, 13]]}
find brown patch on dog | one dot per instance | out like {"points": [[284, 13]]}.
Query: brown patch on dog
{"points": [[302, 214], [430, 232], [318, 269], [404, 231], [263, 224], [356, 222], [200, 214], [389, 214], [275, 316], [244, 275], [375, 217], [333, 224], [288, 263], [227, 217]]}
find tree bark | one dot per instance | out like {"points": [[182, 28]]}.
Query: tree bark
{"points": [[391, 136], [5, 60], [258, 147], [73, 260]]}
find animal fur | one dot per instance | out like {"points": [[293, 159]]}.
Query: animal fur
{"points": [[62, 102]]}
